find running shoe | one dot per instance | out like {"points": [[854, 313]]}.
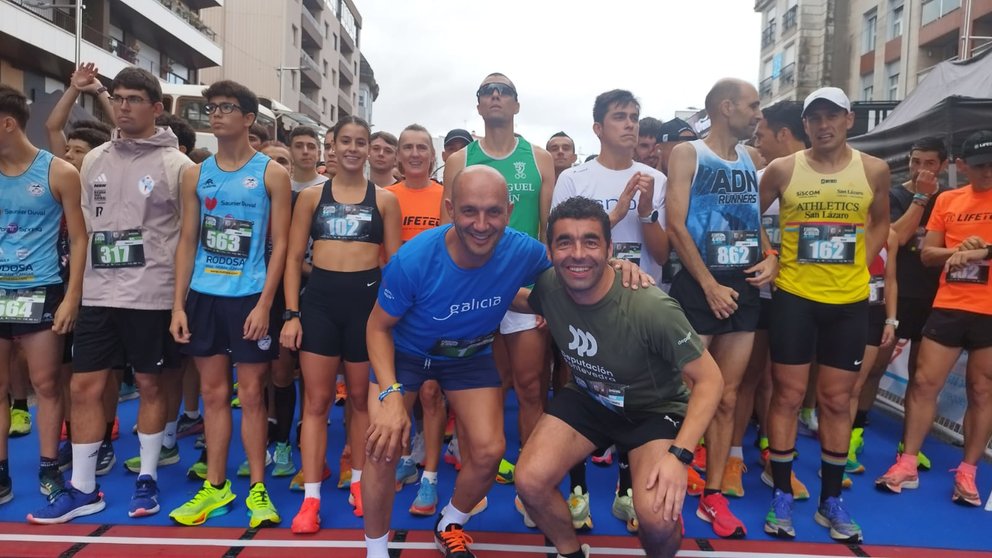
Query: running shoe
{"points": [[244, 470], [505, 473], [853, 466], [604, 459], [899, 476], [585, 551], [208, 502], [578, 507], [6, 491], [694, 482], [922, 461], [778, 522], [406, 473], [965, 490], [105, 459], [699, 458], [65, 456], [283, 459], [857, 440], [186, 426], [799, 490], [167, 456], [623, 509], [482, 506], [115, 430], [453, 542], [50, 480], [417, 449], [344, 479], [355, 498], [452, 456], [20, 423], [449, 427], [296, 484], [715, 510], [144, 501], [201, 441], [831, 514], [517, 503], [425, 504], [809, 424], [307, 520], [127, 392], [846, 481], [198, 470], [733, 478], [261, 511], [67, 504], [340, 394], [65, 433]]}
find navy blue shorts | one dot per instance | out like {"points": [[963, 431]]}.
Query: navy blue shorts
{"points": [[453, 375], [216, 325]]}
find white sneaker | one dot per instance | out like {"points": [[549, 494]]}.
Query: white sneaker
{"points": [[417, 449]]}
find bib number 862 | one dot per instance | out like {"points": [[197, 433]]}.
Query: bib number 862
{"points": [[732, 255], [223, 242]]}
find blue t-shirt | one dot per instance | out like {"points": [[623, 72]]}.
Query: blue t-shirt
{"points": [[29, 231], [448, 312]]}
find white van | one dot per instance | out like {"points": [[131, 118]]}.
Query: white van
{"points": [[186, 101]]}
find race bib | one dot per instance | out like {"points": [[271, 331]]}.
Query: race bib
{"points": [[833, 243], [630, 251], [876, 290], [22, 306], [117, 249], [226, 236], [975, 272], [671, 268], [610, 395], [732, 249], [771, 226], [916, 243], [461, 348], [345, 222]]}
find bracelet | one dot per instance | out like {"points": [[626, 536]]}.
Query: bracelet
{"points": [[921, 199], [395, 388], [101, 90], [892, 322]]}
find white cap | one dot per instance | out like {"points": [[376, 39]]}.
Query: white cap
{"points": [[834, 95]]}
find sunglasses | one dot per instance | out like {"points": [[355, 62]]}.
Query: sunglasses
{"points": [[504, 90], [225, 108]]}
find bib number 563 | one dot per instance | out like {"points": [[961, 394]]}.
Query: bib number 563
{"points": [[223, 242]]}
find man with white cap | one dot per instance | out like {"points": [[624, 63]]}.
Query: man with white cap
{"points": [[834, 207]]}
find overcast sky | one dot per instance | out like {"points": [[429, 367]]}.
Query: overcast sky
{"points": [[429, 57]]}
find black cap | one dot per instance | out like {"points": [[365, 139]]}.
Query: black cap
{"points": [[977, 149], [458, 133], [673, 129]]}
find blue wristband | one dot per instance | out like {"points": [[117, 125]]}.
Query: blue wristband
{"points": [[395, 388]]}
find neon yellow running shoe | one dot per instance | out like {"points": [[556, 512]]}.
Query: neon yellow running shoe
{"points": [[261, 512], [922, 461], [505, 473], [208, 502], [20, 423]]}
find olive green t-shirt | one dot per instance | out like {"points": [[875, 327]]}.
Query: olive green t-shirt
{"points": [[627, 350]]}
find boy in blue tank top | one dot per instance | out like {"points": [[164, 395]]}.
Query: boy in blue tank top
{"points": [[36, 308], [224, 292]]}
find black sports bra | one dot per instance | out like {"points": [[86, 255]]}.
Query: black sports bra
{"points": [[359, 222]]}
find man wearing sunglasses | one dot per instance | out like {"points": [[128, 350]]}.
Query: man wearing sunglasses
{"points": [[130, 203], [530, 174]]}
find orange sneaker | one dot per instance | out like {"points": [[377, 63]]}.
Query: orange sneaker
{"points": [[715, 510], [355, 498], [699, 459], [899, 476], [733, 478], [965, 489], [344, 480], [694, 483], [340, 394], [115, 432], [307, 520]]}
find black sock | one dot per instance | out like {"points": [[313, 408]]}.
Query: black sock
{"points": [[21, 404], [285, 408], [781, 465], [625, 481], [4, 470], [203, 455], [860, 419], [832, 465], [710, 491], [577, 554], [219, 486], [108, 433], [577, 476]]}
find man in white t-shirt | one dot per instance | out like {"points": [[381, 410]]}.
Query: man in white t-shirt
{"points": [[304, 148], [633, 194]]}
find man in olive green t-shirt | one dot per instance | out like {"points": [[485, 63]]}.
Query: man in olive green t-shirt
{"points": [[628, 351]]}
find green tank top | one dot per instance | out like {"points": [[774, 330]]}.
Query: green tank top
{"points": [[523, 180]]}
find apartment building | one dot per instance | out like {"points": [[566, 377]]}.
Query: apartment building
{"points": [[303, 53]]}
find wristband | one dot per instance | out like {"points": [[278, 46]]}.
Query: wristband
{"points": [[921, 199], [101, 90], [771, 252], [395, 388], [892, 322]]}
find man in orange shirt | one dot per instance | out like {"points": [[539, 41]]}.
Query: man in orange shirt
{"points": [[959, 239]]}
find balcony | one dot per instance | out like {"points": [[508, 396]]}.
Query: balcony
{"points": [[312, 38], [765, 87], [310, 69], [204, 4], [787, 76], [790, 19], [310, 108], [344, 104], [768, 35], [347, 77], [171, 27], [347, 43], [315, 5]]}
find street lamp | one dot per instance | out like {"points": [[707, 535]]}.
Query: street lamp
{"points": [[79, 6]]}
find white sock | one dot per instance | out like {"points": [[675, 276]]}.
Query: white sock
{"points": [[377, 548], [149, 448], [449, 515], [311, 490], [169, 441], [84, 466], [356, 476], [738, 452], [192, 415], [429, 476]]}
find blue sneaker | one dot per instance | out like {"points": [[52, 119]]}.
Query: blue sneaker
{"points": [[778, 522], [65, 505], [832, 514], [145, 499], [406, 473], [425, 504]]}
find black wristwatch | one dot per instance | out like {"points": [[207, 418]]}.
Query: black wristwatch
{"points": [[290, 314], [682, 454]]}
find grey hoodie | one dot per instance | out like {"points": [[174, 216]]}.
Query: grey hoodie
{"points": [[134, 184]]}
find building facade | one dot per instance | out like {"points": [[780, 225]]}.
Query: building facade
{"points": [[303, 53]]}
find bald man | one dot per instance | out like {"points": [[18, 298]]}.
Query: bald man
{"points": [[714, 224]]}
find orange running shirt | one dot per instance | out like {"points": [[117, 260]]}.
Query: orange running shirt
{"points": [[420, 207], [960, 214]]}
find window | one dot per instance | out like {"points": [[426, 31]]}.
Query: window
{"points": [[334, 78], [335, 41], [895, 18], [327, 30], [323, 105], [936, 9], [867, 87], [768, 33], [892, 80], [296, 33], [868, 26], [325, 68], [348, 22]]}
